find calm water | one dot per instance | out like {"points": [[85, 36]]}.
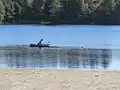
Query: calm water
{"points": [[66, 35], [59, 58]]}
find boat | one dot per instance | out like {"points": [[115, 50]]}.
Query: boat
{"points": [[39, 46]]}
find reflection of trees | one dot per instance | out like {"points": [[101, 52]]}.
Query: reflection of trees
{"points": [[31, 58], [105, 58], [36, 59], [84, 57], [15, 58], [12, 59], [63, 56], [91, 57], [9, 60], [51, 57], [71, 58]]}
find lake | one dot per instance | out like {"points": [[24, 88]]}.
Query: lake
{"points": [[59, 58], [100, 52], [66, 35]]}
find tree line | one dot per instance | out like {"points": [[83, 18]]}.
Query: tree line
{"points": [[95, 12]]}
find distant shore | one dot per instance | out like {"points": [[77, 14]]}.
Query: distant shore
{"points": [[17, 79]]}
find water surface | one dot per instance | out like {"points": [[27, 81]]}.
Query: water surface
{"points": [[59, 58], [65, 35], [105, 40]]}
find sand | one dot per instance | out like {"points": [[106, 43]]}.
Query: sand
{"points": [[17, 79]]}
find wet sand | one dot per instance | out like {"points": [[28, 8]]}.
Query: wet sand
{"points": [[17, 79]]}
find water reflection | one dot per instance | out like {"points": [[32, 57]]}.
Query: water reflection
{"points": [[56, 58]]}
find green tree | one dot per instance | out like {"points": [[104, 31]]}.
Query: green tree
{"points": [[60, 11], [102, 12], [37, 10], [14, 10], [71, 11], [2, 11], [46, 10], [116, 13], [20, 7], [9, 11], [55, 11]]}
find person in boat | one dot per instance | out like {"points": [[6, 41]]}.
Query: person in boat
{"points": [[40, 42]]}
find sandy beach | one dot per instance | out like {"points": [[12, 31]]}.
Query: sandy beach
{"points": [[18, 79]]}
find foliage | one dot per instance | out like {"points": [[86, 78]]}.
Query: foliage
{"points": [[2, 11], [60, 11]]}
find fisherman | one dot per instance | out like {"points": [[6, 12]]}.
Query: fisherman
{"points": [[40, 42]]}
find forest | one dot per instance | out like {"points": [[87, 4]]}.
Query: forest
{"points": [[56, 12]]}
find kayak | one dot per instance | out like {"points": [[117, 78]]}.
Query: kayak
{"points": [[42, 45]]}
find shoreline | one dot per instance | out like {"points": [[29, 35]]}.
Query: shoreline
{"points": [[79, 70], [29, 79]]}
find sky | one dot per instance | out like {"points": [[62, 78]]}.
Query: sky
{"points": [[66, 35]]}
